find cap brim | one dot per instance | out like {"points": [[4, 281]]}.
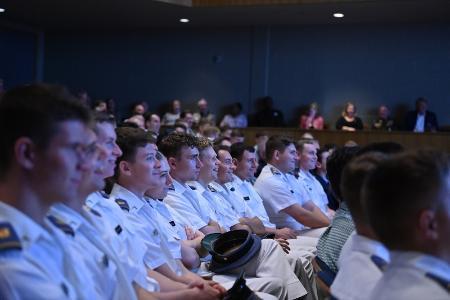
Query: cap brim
{"points": [[208, 240], [245, 258]]}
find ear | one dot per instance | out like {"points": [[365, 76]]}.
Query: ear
{"points": [[318, 164], [235, 162], [25, 152], [172, 163], [428, 225], [276, 154], [124, 168]]}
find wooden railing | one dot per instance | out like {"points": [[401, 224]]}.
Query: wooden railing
{"points": [[411, 140]]}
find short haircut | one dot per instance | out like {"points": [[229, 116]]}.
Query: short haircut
{"points": [[102, 117], [203, 143], [236, 132], [217, 148], [172, 144], [34, 111], [260, 134], [237, 150], [277, 142], [148, 115], [130, 139], [301, 144], [399, 189], [184, 113], [335, 164], [353, 176]]}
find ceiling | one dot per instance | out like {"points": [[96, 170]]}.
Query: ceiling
{"points": [[51, 15]]}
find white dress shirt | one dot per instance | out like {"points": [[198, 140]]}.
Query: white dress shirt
{"points": [[412, 275], [278, 193], [314, 190], [129, 248], [358, 273], [31, 260]]}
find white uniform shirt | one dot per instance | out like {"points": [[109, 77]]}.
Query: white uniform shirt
{"points": [[35, 271], [232, 194], [129, 248], [253, 200], [142, 218], [314, 190], [357, 273], [412, 275], [278, 193], [186, 202], [172, 219], [166, 229], [84, 244], [226, 215]]}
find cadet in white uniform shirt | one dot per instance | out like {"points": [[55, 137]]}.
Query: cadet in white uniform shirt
{"points": [[41, 161], [363, 257], [284, 205], [407, 198], [307, 153]]}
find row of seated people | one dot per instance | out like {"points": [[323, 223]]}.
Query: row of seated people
{"points": [[143, 240], [418, 120]]}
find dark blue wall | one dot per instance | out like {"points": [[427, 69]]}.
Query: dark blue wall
{"points": [[17, 57], [367, 64]]}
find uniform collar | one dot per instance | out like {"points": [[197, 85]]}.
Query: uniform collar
{"points": [[218, 187], [196, 186], [134, 202], [370, 247], [426, 263], [67, 215], [26, 228], [179, 188], [237, 180], [94, 198]]}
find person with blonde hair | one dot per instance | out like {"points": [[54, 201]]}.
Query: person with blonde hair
{"points": [[349, 121], [312, 119]]}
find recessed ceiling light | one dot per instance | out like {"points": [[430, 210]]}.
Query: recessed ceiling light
{"points": [[338, 15], [2, 10], [184, 20]]}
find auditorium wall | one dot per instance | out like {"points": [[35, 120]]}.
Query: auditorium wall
{"points": [[368, 64]]}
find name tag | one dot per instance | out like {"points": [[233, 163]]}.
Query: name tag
{"points": [[172, 223]]}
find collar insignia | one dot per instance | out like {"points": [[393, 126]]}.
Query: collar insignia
{"points": [[274, 171], [123, 204], [8, 238], [61, 225]]}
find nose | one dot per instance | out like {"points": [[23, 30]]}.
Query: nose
{"points": [[157, 164], [199, 163], [116, 150]]}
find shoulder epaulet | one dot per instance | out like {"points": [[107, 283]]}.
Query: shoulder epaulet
{"points": [[212, 189], [123, 204], [8, 238], [61, 225], [379, 262], [104, 194], [192, 187], [274, 171], [92, 211], [439, 280], [171, 187]]}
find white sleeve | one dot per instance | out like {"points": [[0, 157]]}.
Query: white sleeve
{"points": [[183, 207], [276, 193]]}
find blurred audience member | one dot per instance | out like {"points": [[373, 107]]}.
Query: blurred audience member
{"points": [[384, 120], [203, 113], [172, 116], [349, 121], [236, 119], [320, 172], [267, 116], [187, 118], [100, 106], [138, 120], [312, 119], [138, 109], [421, 119], [152, 122], [237, 136], [260, 150]]}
